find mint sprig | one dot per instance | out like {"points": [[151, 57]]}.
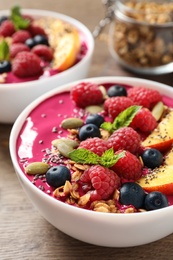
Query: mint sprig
{"points": [[17, 19], [122, 120], [4, 51], [84, 156]]}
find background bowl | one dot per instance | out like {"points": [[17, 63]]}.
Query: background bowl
{"points": [[103, 229], [15, 97]]}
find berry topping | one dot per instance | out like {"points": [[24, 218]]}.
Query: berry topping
{"points": [[7, 28], [20, 36], [128, 167], [117, 90], [41, 39], [95, 145], [102, 181], [3, 18], [15, 48], [125, 138], [95, 119], [144, 96], [43, 51], [132, 194], [30, 43], [155, 200], [56, 176], [88, 131], [85, 94], [36, 30], [152, 158], [144, 120], [5, 66], [116, 105], [26, 64]]}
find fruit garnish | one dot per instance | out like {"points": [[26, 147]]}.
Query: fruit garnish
{"points": [[4, 51], [123, 119], [84, 156], [161, 137], [17, 19], [66, 50]]}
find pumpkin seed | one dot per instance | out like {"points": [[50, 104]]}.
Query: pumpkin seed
{"points": [[94, 109], [67, 141], [37, 168], [64, 149], [71, 123]]}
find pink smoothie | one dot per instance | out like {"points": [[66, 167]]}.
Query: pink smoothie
{"points": [[44, 125]]}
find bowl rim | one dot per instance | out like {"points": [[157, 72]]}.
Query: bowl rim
{"points": [[76, 23], [20, 121]]}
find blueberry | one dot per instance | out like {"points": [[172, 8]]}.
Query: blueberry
{"points": [[152, 158], [132, 193], [95, 119], [155, 200], [41, 39], [87, 131], [3, 18], [116, 90], [56, 176], [5, 66], [30, 43]]}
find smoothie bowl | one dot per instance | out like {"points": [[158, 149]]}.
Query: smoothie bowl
{"points": [[40, 50], [95, 158]]}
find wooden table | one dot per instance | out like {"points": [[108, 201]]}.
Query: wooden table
{"points": [[24, 234]]}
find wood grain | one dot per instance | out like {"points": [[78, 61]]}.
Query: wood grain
{"points": [[24, 234]]}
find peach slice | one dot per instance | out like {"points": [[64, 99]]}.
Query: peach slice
{"points": [[161, 138], [160, 179], [66, 51]]}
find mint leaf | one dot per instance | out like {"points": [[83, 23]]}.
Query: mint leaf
{"points": [[123, 119], [4, 51], [108, 158], [84, 156], [107, 126], [17, 19]]}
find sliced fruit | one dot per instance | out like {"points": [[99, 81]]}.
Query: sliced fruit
{"points": [[161, 137], [66, 51], [169, 158], [160, 179]]}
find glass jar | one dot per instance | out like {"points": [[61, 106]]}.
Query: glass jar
{"points": [[141, 36]]}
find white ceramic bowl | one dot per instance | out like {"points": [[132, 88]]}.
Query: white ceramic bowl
{"points": [[103, 229], [15, 97]]}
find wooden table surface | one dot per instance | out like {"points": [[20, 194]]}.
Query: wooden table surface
{"points": [[24, 234]]}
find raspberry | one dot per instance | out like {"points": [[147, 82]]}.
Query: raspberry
{"points": [[86, 94], [144, 96], [7, 28], [144, 121], [16, 48], [26, 64], [20, 36], [125, 138], [95, 145], [102, 182], [114, 105], [43, 51], [128, 167], [35, 30]]}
